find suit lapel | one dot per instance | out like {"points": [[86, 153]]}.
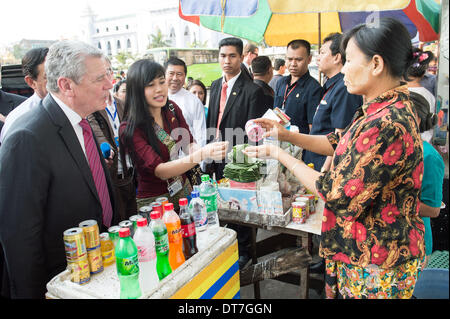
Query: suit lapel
{"points": [[234, 94], [214, 103], [71, 141]]}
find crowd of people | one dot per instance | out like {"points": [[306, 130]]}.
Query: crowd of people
{"points": [[380, 179]]}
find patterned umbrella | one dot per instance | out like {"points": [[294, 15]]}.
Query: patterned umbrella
{"points": [[279, 21]]}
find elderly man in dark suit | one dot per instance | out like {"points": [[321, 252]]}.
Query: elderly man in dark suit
{"points": [[234, 100], [52, 174]]}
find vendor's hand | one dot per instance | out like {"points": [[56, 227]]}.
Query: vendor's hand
{"points": [[262, 151], [273, 129], [215, 151]]}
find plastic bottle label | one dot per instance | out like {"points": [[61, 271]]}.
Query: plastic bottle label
{"points": [[210, 202], [162, 244], [127, 266], [146, 254], [188, 230], [174, 233]]}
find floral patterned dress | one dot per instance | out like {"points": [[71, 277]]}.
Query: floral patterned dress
{"points": [[372, 235]]}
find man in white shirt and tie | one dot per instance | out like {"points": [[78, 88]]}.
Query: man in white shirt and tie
{"points": [[33, 69], [190, 105]]}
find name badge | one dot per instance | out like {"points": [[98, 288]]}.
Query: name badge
{"points": [[174, 187]]}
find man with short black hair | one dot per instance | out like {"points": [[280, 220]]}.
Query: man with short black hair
{"points": [[280, 67], [234, 100], [33, 69], [298, 94], [337, 106], [263, 72]]}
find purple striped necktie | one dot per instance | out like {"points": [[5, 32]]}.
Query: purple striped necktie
{"points": [[97, 172]]}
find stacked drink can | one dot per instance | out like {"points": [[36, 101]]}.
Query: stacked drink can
{"points": [[94, 251], [302, 207], [76, 255]]}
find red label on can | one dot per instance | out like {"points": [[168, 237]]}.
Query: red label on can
{"points": [[188, 230]]}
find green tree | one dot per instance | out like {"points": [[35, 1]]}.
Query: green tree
{"points": [[124, 59], [157, 40]]}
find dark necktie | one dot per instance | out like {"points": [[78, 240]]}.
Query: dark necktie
{"points": [[98, 173]]}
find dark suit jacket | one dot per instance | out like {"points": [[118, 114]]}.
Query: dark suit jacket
{"points": [[46, 187], [246, 102], [245, 71], [269, 93], [8, 102]]}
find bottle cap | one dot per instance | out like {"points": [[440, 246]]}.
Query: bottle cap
{"points": [[124, 232], [141, 222], [168, 206], [195, 194], [183, 201], [205, 178], [155, 214]]}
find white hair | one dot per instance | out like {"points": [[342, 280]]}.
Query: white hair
{"points": [[66, 59]]}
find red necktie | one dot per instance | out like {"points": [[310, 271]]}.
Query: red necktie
{"points": [[223, 102], [97, 172]]}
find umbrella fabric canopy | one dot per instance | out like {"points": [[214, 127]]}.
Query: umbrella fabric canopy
{"points": [[279, 21]]}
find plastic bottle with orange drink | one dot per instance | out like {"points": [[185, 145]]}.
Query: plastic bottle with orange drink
{"points": [[173, 224]]}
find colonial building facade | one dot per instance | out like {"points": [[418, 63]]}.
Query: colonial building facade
{"points": [[132, 32]]}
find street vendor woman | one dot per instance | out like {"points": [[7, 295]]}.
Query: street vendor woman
{"points": [[153, 132], [372, 235]]}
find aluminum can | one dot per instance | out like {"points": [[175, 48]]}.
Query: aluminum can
{"points": [[113, 232], [95, 260], [127, 224], [162, 201], [79, 270], [305, 199], [134, 220], [312, 203], [145, 211], [107, 247], [298, 212], [91, 233], [74, 244]]}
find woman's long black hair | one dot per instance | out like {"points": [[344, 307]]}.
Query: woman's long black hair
{"points": [[137, 114]]}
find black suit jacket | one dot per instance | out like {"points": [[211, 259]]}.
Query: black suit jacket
{"points": [[46, 187], [245, 102], [8, 102]]}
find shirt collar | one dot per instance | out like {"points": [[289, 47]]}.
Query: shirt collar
{"points": [[74, 117], [231, 81], [301, 80], [398, 94], [333, 80]]}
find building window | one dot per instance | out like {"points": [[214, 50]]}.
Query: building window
{"points": [[107, 29], [128, 44], [118, 45], [108, 48], [99, 45], [117, 28], [98, 31], [126, 27]]}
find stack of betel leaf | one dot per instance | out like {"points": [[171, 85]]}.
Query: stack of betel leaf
{"points": [[242, 168]]}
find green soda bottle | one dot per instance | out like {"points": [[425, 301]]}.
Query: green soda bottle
{"points": [[159, 230], [127, 263]]}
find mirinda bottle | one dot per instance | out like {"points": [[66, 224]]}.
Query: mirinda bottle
{"points": [[173, 224]]}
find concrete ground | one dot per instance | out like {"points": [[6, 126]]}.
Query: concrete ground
{"points": [[275, 289]]}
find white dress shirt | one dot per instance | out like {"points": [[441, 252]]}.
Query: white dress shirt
{"points": [[193, 112], [230, 83], [74, 119], [17, 112]]}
